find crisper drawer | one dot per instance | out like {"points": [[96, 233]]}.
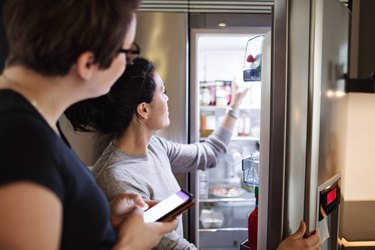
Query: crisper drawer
{"points": [[222, 240], [224, 214]]}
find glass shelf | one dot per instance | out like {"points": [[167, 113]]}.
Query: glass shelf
{"points": [[244, 138], [236, 138], [224, 108], [227, 200], [223, 229]]}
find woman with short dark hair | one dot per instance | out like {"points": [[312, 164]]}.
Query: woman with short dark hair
{"points": [[62, 52]]}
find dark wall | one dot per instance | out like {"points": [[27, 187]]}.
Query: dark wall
{"points": [[366, 42], [3, 42]]}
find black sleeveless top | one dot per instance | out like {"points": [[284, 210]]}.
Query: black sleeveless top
{"points": [[30, 150]]}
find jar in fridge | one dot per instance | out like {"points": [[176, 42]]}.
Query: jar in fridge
{"points": [[244, 124], [204, 96], [221, 95], [207, 123], [212, 91]]}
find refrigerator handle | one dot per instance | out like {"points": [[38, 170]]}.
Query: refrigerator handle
{"points": [[360, 85]]}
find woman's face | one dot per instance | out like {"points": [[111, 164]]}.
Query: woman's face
{"points": [[158, 118]]}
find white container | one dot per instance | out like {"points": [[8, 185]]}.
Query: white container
{"points": [[211, 218]]}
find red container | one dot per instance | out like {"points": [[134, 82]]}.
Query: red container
{"points": [[253, 224]]}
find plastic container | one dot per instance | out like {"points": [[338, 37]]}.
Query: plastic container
{"points": [[253, 224], [210, 218]]}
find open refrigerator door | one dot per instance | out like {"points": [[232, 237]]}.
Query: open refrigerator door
{"points": [[224, 199]]}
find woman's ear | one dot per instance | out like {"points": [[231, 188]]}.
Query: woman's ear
{"points": [[142, 110], [85, 65]]}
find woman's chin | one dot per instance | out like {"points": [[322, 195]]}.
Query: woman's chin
{"points": [[167, 123]]}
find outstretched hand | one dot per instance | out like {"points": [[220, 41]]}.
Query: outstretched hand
{"points": [[239, 92], [296, 240]]}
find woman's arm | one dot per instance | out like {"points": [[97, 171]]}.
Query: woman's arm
{"points": [[30, 217], [230, 118], [190, 157]]}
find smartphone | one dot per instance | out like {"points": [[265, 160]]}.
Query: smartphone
{"points": [[169, 208]]}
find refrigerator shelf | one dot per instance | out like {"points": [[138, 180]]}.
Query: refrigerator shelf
{"points": [[245, 138], [214, 200], [224, 108], [222, 229], [236, 138]]}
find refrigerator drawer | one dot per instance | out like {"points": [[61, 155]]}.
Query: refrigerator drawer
{"points": [[222, 240], [228, 215]]}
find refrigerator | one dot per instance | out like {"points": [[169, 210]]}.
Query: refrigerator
{"points": [[303, 134], [296, 111]]}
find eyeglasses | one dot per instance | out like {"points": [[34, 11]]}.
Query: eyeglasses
{"points": [[131, 53]]}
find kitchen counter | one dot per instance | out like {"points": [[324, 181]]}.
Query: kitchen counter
{"points": [[358, 220]]}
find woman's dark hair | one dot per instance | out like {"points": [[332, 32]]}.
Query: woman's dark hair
{"points": [[112, 113], [48, 36]]}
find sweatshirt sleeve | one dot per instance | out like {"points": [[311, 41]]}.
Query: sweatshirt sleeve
{"points": [[173, 241], [201, 155]]}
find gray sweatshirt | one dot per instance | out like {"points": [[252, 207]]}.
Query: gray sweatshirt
{"points": [[151, 175]]}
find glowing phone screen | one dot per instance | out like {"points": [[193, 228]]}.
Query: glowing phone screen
{"points": [[165, 206]]}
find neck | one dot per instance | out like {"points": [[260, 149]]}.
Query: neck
{"points": [[46, 94], [135, 139]]}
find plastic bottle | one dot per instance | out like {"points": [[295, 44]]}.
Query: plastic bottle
{"points": [[205, 96], [203, 184], [253, 224]]}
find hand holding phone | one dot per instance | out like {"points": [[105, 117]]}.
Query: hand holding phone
{"points": [[169, 208]]}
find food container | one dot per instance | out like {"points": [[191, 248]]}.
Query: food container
{"points": [[211, 219]]}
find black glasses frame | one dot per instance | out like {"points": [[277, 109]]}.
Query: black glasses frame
{"points": [[134, 51], [131, 53]]}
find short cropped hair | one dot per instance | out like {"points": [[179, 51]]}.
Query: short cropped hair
{"points": [[47, 36]]}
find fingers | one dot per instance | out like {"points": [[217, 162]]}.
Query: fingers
{"points": [[134, 233], [165, 227], [161, 227], [169, 226], [313, 240], [296, 240], [239, 93], [151, 203], [139, 202], [123, 205], [300, 232], [126, 202], [234, 85]]}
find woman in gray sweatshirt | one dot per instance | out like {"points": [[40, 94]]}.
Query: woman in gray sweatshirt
{"points": [[136, 160]]}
